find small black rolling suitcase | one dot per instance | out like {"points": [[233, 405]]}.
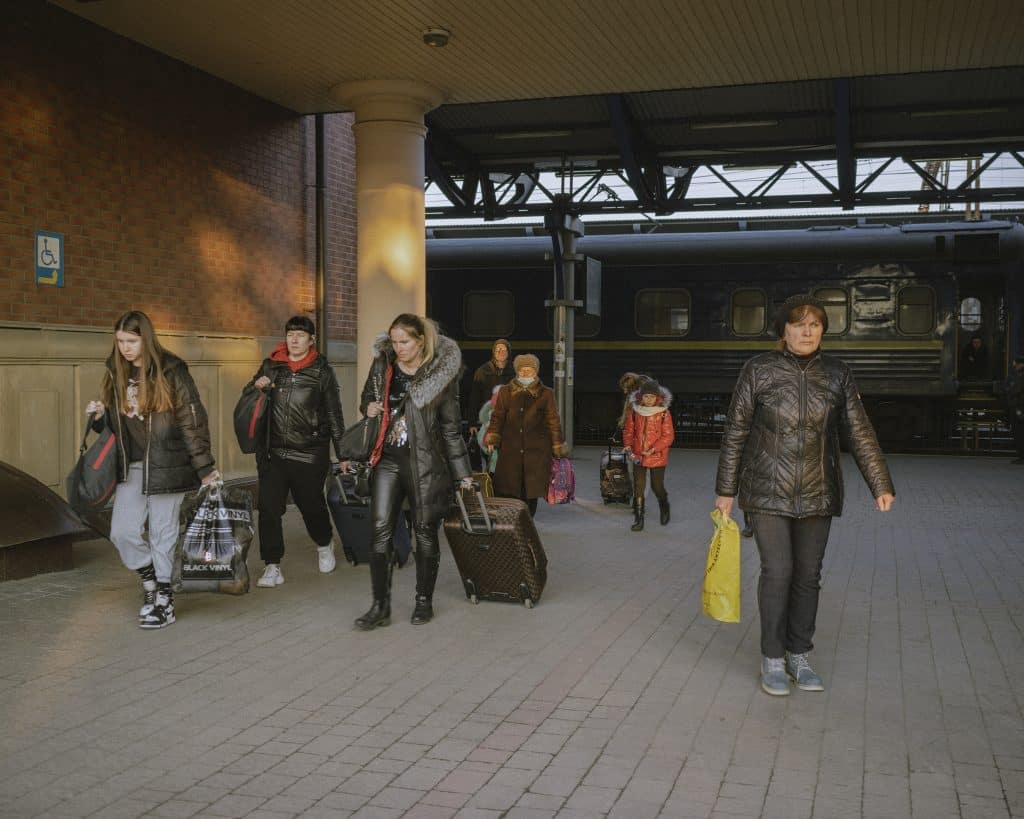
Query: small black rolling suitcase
{"points": [[497, 550], [351, 515], [616, 487]]}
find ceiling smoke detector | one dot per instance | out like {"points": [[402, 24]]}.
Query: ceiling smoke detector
{"points": [[436, 37]]}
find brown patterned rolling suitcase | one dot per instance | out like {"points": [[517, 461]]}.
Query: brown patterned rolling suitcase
{"points": [[497, 550]]}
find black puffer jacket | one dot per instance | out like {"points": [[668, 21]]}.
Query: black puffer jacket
{"points": [[436, 449], [780, 449], [305, 410], [178, 454]]}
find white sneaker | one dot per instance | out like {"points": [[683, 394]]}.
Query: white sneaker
{"points": [[325, 558], [271, 577]]}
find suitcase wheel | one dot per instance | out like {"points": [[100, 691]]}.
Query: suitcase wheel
{"points": [[470, 588], [474, 599], [528, 603]]}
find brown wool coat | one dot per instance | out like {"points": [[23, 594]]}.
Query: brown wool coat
{"points": [[527, 433]]}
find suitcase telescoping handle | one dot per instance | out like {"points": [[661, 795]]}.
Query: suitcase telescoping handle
{"points": [[467, 524]]}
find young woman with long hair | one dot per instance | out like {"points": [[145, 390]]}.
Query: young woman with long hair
{"points": [[151, 404]]}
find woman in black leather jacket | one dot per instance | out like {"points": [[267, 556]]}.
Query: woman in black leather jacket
{"points": [[418, 455], [780, 455], [152, 405], [304, 417]]}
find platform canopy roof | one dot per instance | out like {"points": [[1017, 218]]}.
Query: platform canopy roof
{"points": [[631, 84]]}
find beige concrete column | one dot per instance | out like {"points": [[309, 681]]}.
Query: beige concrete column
{"points": [[391, 257]]}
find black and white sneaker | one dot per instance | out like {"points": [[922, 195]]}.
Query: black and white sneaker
{"points": [[162, 613], [148, 599]]}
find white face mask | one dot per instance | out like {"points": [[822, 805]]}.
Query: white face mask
{"points": [[526, 382]]}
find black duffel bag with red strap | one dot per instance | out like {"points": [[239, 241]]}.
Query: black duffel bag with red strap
{"points": [[251, 418], [92, 482]]}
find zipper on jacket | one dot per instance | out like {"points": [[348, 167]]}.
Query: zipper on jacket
{"points": [[120, 436], [801, 443], [145, 463]]}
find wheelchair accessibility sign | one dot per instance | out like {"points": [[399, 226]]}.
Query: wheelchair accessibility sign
{"points": [[49, 258]]}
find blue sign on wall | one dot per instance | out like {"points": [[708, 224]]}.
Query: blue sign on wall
{"points": [[49, 258]]}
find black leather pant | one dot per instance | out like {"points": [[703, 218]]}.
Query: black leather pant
{"points": [[393, 483]]}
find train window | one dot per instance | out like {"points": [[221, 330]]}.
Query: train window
{"points": [[749, 312], [915, 309], [837, 308], [970, 314], [662, 312], [488, 313]]}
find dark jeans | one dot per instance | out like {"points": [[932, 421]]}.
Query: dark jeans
{"points": [[657, 481], [787, 592], [305, 481], [391, 485]]}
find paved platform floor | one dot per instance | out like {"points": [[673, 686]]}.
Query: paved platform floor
{"points": [[614, 697]]}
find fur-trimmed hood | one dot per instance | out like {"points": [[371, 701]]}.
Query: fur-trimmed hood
{"points": [[432, 378], [664, 399]]}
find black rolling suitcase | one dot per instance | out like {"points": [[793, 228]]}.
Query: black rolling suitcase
{"points": [[351, 515], [497, 550], [616, 486]]}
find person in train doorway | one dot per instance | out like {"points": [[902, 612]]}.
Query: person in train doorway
{"points": [[495, 372], [527, 433], [780, 456], [974, 360], [647, 437], [1013, 403], [151, 404], [419, 455], [304, 416]]}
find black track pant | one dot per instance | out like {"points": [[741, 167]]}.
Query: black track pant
{"points": [[305, 481]]}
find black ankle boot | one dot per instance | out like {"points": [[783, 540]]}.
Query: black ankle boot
{"points": [[638, 514], [423, 612], [379, 613], [663, 511]]}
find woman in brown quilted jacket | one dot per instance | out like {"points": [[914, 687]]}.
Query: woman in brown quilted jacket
{"points": [[780, 456], [527, 433]]}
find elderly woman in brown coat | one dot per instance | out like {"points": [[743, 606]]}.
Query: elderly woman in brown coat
{"points": [[527, 433]]}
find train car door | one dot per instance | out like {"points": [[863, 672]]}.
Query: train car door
{"points": [[981, 329]]}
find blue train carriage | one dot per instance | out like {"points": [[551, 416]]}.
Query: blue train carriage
{"points": [[690, 308]]}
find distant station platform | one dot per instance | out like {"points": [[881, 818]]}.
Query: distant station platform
{"points": [[613, 697]]}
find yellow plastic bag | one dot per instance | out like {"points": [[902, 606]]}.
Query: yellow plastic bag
{"points": [[721, 596]]}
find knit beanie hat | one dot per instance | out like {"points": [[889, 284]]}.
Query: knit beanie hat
{"points": [[650, 387], [794, 302], [526, 360]]}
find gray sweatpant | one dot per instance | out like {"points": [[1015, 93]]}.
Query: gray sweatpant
{"points": [[131, 509]]}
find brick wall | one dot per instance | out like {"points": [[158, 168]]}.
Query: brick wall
{"points": [[177, 193]]}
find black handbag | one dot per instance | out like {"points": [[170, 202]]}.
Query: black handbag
{"points": [[358, 440], [92, 482]]}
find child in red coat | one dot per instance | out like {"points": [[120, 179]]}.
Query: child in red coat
{"points": [[647, 436]]}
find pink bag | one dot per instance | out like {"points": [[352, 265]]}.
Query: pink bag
{"points": [[562, 487]]}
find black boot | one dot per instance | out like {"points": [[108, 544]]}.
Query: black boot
{"points": [[663, 510], [380, 578], [638, 515], [426, 578]]}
